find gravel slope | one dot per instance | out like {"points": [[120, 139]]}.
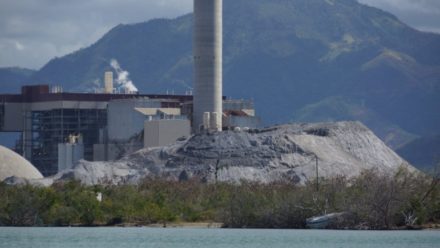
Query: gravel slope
{"points": [[280, 153]]}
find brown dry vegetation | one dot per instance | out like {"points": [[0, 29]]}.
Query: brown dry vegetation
{"points": [[372, 201]]}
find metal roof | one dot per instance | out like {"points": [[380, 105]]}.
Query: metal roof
{"points": [[155, 111]]}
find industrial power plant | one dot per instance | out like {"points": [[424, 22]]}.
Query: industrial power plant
{"points": [[60, 128]]}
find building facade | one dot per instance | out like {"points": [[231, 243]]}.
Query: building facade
{"points": [[110, 125]]}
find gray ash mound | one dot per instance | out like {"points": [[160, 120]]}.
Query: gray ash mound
{"points": [[280, 153]]}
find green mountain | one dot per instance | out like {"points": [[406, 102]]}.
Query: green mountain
{"points": [[286, 55], [12, 78], [423, 152]]}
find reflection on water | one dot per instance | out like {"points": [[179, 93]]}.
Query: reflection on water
{"points": [[194, 238]]}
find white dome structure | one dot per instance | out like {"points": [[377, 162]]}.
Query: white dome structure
{"points": [[12, 164]]}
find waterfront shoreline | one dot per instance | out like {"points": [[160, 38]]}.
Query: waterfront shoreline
{"points": [[218, 225]]}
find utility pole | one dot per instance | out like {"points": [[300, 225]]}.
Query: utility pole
{"points": [[317, 174]]}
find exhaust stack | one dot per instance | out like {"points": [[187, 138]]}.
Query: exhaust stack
{"points": [[208, 53], [108, 82]]}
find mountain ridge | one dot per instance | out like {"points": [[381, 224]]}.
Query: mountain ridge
{"points": [[284, 54], [11, 78]]}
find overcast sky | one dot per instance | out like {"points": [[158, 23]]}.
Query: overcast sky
{"points": [[34, 31]]}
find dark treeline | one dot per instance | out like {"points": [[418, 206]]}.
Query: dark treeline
{"points": [[371, 200]]}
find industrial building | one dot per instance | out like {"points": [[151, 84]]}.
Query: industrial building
{"points": [[110, 125], [58, 129]]}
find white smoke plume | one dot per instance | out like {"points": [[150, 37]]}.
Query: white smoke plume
{"points": [[123, 80]]}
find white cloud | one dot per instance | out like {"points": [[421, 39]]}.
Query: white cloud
{"points": [[50, 28], [18, 46]]}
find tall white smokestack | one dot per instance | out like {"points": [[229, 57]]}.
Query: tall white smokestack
{"points": [[208, 53]]}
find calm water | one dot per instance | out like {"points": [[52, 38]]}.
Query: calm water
{"points": [[194, 238]]}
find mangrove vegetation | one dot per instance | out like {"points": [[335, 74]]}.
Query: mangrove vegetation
{"points": [[370, 201]]}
